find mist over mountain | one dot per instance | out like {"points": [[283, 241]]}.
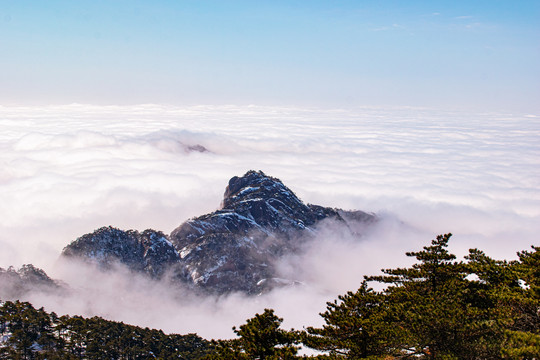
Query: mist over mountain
{"points": [[69, 170], [233, 249], [16, 283]]}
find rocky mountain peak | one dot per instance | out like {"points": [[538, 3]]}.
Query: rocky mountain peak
{"points": [[260, 220], [232, 249], [256, 185]]}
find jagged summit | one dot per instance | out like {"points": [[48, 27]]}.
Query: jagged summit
{"points": [[256, 185], [260, 220], [149, 251], [268, 202], [232, 249]]}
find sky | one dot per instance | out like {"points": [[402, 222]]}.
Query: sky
{"points": [[480, 55], [424, 113]]}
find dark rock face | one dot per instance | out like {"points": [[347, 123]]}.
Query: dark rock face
{"points": [[149, 251], [235, 248], [232, 249]]}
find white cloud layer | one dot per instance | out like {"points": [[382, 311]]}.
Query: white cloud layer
{"points": [[67, 170]]}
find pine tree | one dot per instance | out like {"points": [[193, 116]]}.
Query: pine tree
{"points": [[431, 310], [35, 334], [522, 337], [361, 310], [426, 300], [23, 328], [259, 338]]}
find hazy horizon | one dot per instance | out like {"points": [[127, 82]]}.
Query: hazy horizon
{"points": [[68, 170], [479, 56]]}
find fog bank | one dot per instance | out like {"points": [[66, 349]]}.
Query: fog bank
{"points": [[67, 170]]}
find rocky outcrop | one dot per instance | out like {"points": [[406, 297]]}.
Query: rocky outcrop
{"points": [[260, 220], [150, 251], [232, 249]]}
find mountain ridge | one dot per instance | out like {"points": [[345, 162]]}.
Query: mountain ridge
{"points": [[15, 283], [233, 249]]}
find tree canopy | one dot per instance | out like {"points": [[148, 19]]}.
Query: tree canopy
{"points": [[438, 308], [29, 333], [260, 338]]}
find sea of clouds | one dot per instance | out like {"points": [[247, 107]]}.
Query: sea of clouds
{"points": [[68, 170]]}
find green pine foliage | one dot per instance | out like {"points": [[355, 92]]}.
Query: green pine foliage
{"points": [[439, 308], [344, 317], [31, 333], [522, 336], [259, 338]]}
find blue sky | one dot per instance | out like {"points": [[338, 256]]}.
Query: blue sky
{"points": [[483, 55]]}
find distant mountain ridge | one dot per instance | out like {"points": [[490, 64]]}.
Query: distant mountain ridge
{"points": [[232, 249], [16, 283]]}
